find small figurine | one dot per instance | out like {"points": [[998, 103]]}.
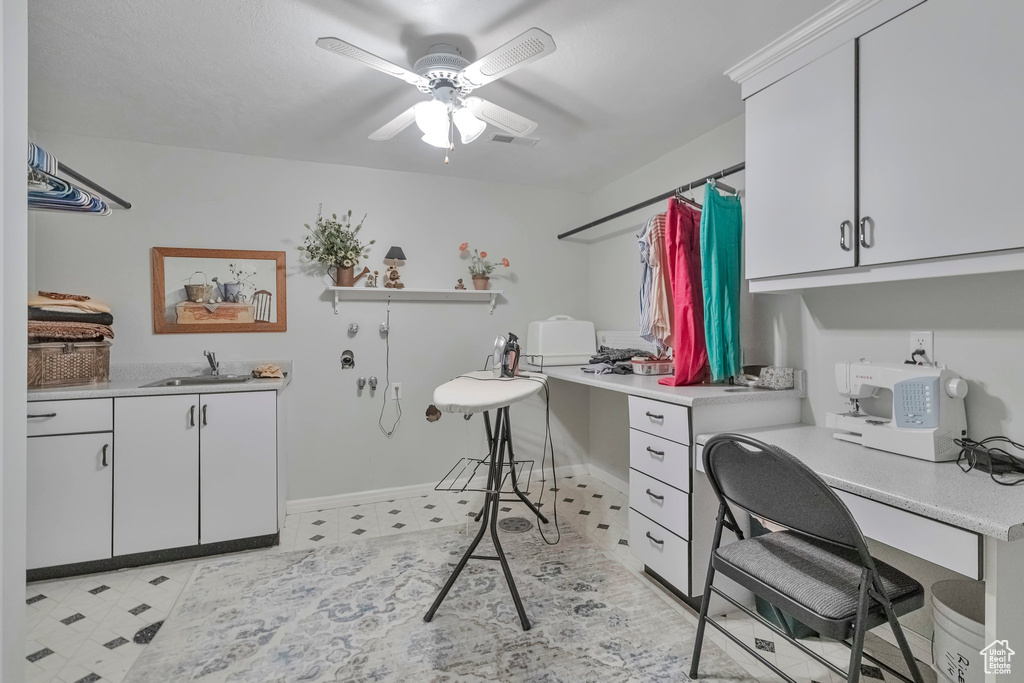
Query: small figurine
{"points": [[460, 284], [371, 280], [392, 278]]}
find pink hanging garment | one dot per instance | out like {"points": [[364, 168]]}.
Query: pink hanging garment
{"points": [[682, 261]]}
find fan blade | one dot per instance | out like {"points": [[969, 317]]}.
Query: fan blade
{"points": [[395, 125], [340, 47], [520, 51], [508, 121]]}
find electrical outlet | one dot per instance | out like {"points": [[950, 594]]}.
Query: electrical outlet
{"points": [[396, 391], [925, 341]]}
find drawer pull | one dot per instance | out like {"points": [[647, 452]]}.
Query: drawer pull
{"points": [[40, 415], [204, 414], [655, 496], [654, 452], [658, 541], [655, 417], [105, 447], [192, 416]]}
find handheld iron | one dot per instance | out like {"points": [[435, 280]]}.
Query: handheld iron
{"points": [[505, 361]]}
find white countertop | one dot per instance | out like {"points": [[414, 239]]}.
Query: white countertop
{"points": [[939, 491], [130, 380], [648, 387]]}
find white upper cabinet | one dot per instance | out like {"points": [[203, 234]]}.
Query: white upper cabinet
{"points": [[156, 481], [942, 131], [801, 147], [238, 466], [904, 117]]}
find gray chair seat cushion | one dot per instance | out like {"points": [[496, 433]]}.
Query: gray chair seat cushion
{"points": [[821, 576]]}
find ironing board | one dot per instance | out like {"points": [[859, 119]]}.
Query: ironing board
{"points": [[482, 392]]}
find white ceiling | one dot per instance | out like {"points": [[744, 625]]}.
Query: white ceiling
{"points": [[628, 82]]}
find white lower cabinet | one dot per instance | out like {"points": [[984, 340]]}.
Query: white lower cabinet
{"points": [[156, 481], [191, 470], [237, 466], [70, 481]]}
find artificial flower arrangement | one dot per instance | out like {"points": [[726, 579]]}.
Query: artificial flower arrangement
{"points": [[479, 266], [335, 243]]}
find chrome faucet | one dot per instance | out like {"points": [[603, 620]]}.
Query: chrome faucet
{"points": [[214, 365]]}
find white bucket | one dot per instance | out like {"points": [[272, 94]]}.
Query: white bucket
{"points": [[959, 611]]}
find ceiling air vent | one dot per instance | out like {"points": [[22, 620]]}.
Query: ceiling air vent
{"points": [[519, 141]]}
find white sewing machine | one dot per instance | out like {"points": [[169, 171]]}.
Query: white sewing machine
{"points": [[926, 409]]}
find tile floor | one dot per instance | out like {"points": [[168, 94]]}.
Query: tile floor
{"points": [[93, 628]]}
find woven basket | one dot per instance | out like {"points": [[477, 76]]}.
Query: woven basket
{"points": [[59, 364]]}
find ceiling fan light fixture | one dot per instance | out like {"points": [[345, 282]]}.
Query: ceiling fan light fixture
{"points": [[470, 127], [432, 119], [440, 141]]}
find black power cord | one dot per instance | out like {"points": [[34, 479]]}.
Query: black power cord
{"points": [[1005, 468]]}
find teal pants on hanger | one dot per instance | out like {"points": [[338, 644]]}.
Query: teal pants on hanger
{"points": [[721, 242]]}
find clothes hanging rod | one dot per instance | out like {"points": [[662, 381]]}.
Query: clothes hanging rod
{"points": [[661, 197], [99, 189]]}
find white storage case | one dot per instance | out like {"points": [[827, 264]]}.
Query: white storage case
{"points": [[561, 340]]}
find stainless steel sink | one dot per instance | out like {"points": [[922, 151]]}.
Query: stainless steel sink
{"points": [[199, 380]]}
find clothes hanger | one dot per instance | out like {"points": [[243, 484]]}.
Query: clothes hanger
{"points": [[681, 197]]}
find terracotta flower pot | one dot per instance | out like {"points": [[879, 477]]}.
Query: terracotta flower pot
{"points": [[481, 282]]}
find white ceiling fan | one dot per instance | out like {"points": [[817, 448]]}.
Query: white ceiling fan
{"points": [[449, 78]]}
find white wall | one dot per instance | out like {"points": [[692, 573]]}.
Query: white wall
{"points": [[13, 252], [195, 198]]}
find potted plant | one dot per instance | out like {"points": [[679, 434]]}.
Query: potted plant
{"points": [[479, 267], [335, 244]]}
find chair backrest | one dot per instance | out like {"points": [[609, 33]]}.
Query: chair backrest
{"points": [[768, 482], [261, 300]]}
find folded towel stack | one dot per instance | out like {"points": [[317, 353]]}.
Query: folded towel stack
{"points": [[55, 317]]}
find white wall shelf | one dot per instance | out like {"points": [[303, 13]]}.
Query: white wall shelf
{"points": [[409, 294]]}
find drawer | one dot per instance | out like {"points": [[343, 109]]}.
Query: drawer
{"points": [[945, 545], [70, 417], [661, 551], [667, 420], [660, 502], [660, 458]]}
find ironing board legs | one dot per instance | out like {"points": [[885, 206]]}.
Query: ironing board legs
{"points": [[507, 436], [490, 518]]}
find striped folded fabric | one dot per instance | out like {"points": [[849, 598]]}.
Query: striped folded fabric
{"points": [[39, 331], [47, 192]]}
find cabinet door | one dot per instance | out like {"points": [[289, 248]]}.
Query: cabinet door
{"points": [[941, 131], [238, 466], [800, 170], [69, 493], [156, 481]]}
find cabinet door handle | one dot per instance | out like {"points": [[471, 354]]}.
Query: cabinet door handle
{"points": [[655, 496], [39, 415], [192, 416], [105, 447], [655, 417], [862, 230], [654, 452], [204, 414], [656, 540], [842, 235]]}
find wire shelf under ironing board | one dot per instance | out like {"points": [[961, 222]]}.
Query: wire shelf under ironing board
{"points": [[470, 474]]}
